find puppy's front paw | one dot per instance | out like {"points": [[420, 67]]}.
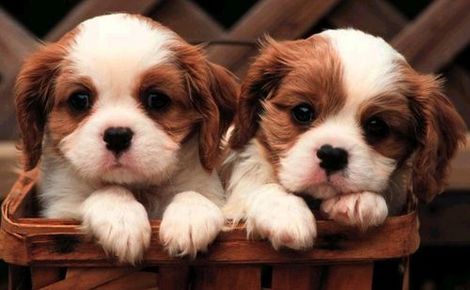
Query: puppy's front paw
{"points": [[364, 209], [281, 217], [118, 222], [190, 223]]}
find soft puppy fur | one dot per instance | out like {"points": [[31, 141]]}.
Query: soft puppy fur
{"points": [[125, 120], [340, 116]]}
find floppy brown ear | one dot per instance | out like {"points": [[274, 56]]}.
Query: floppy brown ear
{"points": [[440, 132], [218, 113], [34, 99], [213, 91], [263, 77]]}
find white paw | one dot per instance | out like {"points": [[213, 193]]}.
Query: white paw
{"points": [[118, 222], [189, 224], [364, 209], [282, 218]]}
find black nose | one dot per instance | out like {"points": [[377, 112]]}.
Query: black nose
{"points": [[332, 159], [118, 139]]}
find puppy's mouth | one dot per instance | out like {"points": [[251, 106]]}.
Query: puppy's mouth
{"points": [[322, 177], [323, 185], [116, 164], [117, 161]]}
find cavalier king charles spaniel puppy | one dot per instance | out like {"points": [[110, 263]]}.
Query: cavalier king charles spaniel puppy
{"points": [[124, 120], [340, 117]]}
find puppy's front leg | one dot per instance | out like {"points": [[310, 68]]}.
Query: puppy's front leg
{"points": [[118, 221], [283, 218], [189, 224], [364, 209]]}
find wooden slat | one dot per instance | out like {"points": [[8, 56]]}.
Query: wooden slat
{"points": [[188, 20], [299, 277], [406, 274], [231, 277], [459, 176], [9, 248], [89, 278], [44, 276], [349, 277], [377, 17], [134, 281], [9, 167], [437, 35], [335, 243], [15, 43], [19, 196], [457, 88], [279, 18], [173, 277], [91, 8]]}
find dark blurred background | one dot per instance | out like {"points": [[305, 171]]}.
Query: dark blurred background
{"points": [[433, 35]]}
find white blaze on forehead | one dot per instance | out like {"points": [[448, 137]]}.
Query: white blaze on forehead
{"points": [[113, 50], [368, 64]]}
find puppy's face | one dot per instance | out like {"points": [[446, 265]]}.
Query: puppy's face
{"points": [[342, 111], [118, 97]]}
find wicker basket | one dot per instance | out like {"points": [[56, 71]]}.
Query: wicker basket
{"points": [[54, 254]]}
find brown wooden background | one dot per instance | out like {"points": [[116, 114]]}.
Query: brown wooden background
{"points": [[433, 35]]}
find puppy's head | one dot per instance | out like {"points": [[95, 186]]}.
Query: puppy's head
{"points": [[117, 98], [342, 111]]}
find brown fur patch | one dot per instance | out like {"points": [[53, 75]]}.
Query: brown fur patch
{"points": [[34, 95], [62, 121], [439, 131], [212, 91], [394, 109], [180, 118]]}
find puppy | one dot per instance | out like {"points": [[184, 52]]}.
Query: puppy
{"points": [[125, 120], [342, 117]]}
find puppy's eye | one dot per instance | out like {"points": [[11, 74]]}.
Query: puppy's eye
{"points": [[376, 129], [80, 101], [154, 100], [303, 114]]}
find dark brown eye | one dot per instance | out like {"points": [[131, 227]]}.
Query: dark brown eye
{"points": [[376, 129], [155, 100], [303, 114], [80, 101]]}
